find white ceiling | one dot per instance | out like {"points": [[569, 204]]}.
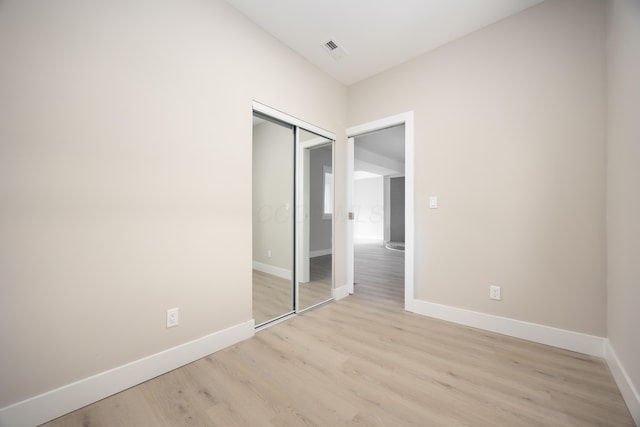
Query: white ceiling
{"points": [[377, 34], [380, 152], [388, 143]]}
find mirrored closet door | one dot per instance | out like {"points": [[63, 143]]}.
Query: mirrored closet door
{"points": [[314, 272], [273, 218], [292, 216]]}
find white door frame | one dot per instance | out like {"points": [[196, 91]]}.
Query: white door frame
{"points": [[409, 254]]}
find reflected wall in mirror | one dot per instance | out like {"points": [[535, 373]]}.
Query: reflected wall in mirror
{"points": [[273, 189], [315, 220]]}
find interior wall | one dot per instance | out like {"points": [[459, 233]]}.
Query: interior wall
{"points": [[272, 195], [125, 177], [368, 208], [396, 209], [320, 228], [623, 178], [509, 134]]}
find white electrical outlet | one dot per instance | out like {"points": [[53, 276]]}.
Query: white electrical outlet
{"points": [[494, 292], [172, 317], [268, 253]]}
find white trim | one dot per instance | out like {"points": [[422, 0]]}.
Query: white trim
{"points": [[349, 257], [409, 226], [269, 323], [383, 123], [55, 403], [320, 252], [272, 269], [341, 292], [627, 389], [276, 114], [561, 338], [302, 229]]}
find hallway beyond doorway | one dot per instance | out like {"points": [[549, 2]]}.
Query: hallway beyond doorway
{"points": [[380, 270]]}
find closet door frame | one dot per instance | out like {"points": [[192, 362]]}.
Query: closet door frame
{"points": [[298, 124]]}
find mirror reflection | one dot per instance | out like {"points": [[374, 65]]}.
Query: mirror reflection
{"points": [[273, 189], [315, 221]]}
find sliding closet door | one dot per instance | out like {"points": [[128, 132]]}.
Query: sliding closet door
{"points": [[273, 219], [314, 273], [292, 215]]}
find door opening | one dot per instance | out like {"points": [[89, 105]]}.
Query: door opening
{"points": [[380, 199]]}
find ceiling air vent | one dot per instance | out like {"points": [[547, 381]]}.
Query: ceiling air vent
{"points": [[335, 50], [331, 45]]}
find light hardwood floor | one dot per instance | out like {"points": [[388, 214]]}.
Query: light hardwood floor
{"points": [[365, 361], [273, 296]]}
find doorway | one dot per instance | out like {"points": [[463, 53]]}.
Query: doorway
{"points": [[385, 167], [292, 226]]}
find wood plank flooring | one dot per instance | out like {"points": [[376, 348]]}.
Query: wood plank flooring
{"points": [[273, 296], [318, 288], [364, 361]]}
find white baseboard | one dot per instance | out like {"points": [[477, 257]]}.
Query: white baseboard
{"points": [[320, 252], [627, 388], [341, 292], [562, 338], [273, 270], [55, 403]]}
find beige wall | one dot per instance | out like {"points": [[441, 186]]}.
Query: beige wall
{"points": [[125, 177], [273, 195], [510, 134], [623, 185]]}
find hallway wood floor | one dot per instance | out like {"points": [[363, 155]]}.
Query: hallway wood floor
{"points": [[365, 361]]}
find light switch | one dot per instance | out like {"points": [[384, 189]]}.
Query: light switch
{"points": [[433, 202]]}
